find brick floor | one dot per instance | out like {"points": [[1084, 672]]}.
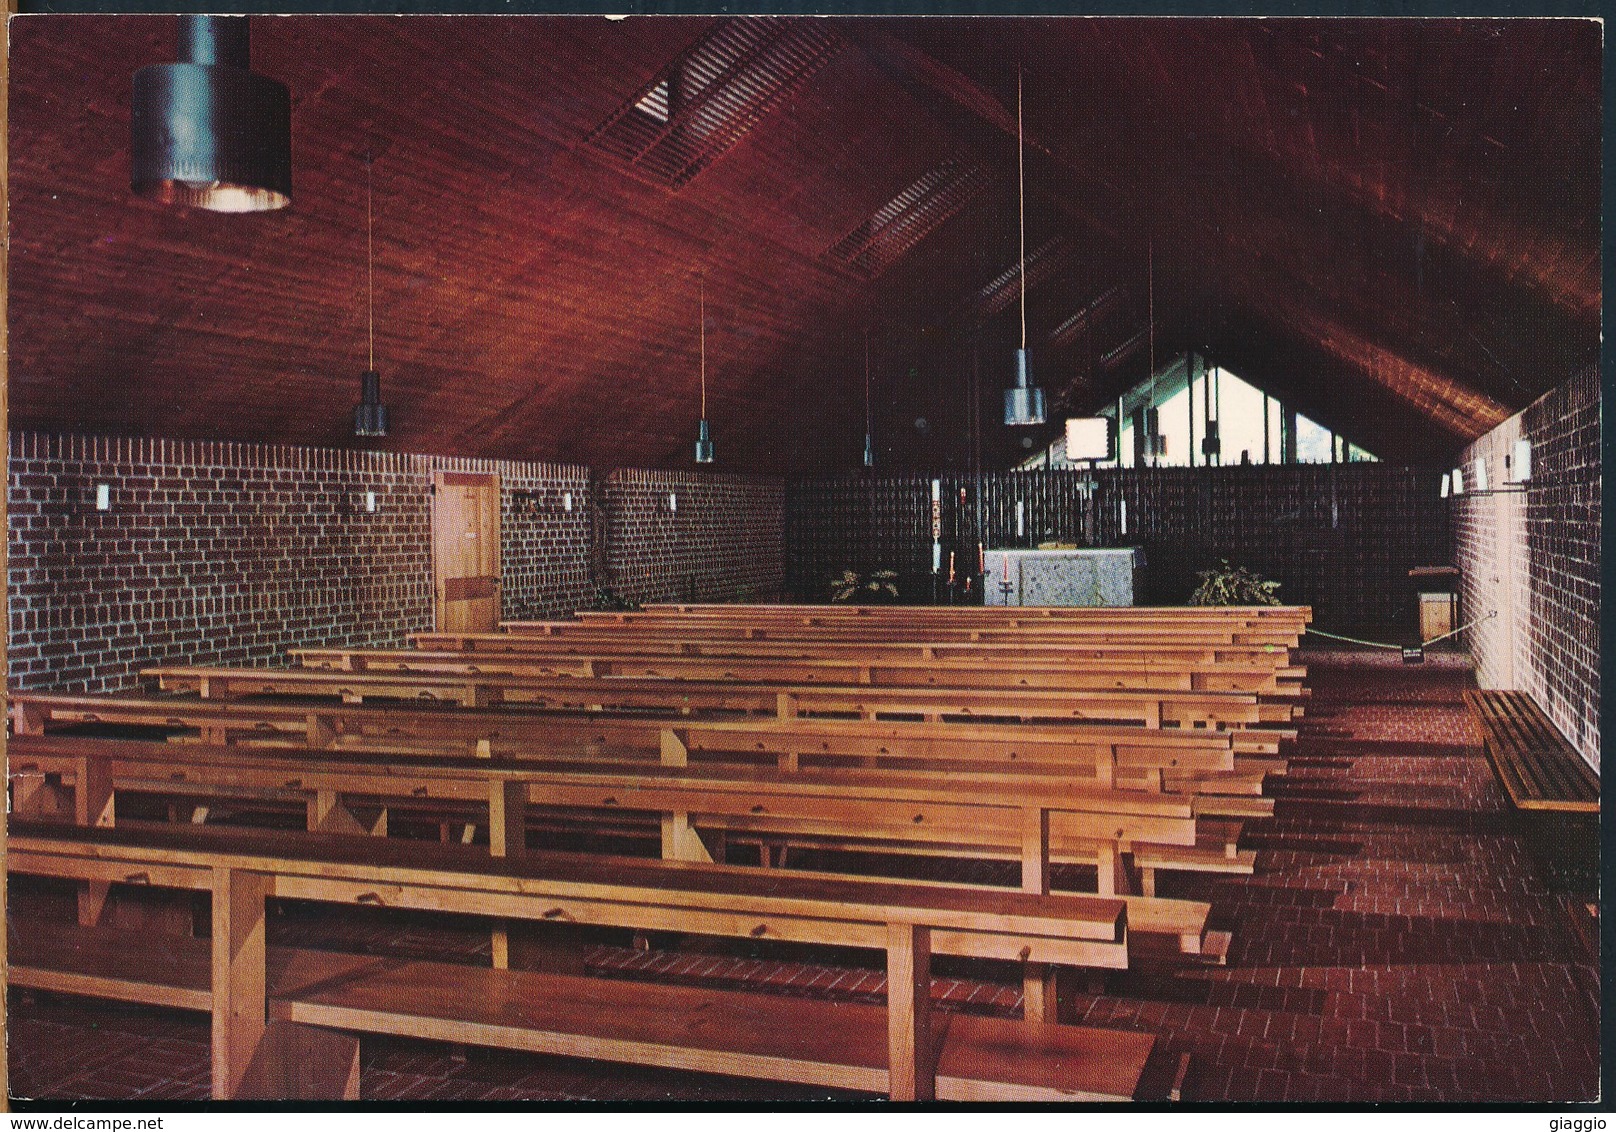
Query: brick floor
{"points": [[1396, 944]]}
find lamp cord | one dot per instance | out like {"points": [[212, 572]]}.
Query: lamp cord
{"points": [[370, 262], [703, 302], [867, 417], [1021, 196]]}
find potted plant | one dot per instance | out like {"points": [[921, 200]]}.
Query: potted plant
{"points": [[1233, 585], [880, 587]]}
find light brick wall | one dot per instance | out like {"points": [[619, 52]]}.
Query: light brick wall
{"points": [[1534, 557], [219, 553]]}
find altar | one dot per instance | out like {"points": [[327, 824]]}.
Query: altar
{"points": [[1085, 576]]}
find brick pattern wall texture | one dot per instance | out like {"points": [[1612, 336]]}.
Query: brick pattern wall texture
{"points": [[220, 553], [1533, 556], [693, 536], [1341, 538]]}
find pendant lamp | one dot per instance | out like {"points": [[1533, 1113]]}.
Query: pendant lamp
{"points": [[370, 415], [704, 435], [1023, 402], [207, 132]]}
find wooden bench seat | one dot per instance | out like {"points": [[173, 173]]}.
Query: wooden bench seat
{"points": [[1196, 636], [954, 815], [794, 1039], [1193, 759], [1537, 767], [684, 697], [908, 922], [1135, 674], [1055, 612], [608, 641]]}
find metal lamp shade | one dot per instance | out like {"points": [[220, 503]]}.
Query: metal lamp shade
{"points": [[370, 415], [1024, 403], [704, 444], [206, 131]]}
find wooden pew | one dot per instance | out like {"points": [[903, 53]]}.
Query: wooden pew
{"points": [[1080, 618], [611, 640], [966, 816], [1042, 633], [249, 989], [689, 697], [911, 673], [1301, 613], [1202, 762]]}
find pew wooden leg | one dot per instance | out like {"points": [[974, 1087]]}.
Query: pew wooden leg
{"points": [[1040, 999], [240, 994], [294, 1062], [507, 837], [910, 1062], [321, 733], [93, 799], [327, 813], [93, 896], [675, 747], [40, 797], [1113, 878], [1147, 881], [680, 841], [1035, 850]]}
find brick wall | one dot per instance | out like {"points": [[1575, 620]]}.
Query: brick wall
{"points": [[1534, 557], [721, 540], [218, 553], [1340, 538]]}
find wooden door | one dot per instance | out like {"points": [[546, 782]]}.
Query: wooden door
{"points": [[465, 551]]}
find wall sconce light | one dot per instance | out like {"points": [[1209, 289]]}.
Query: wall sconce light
{"points": [[1458, 481], [1447, 478], [1480, 464], [566, 501], [103, 497], [1520, 468], [370, 501], [673, 502]]}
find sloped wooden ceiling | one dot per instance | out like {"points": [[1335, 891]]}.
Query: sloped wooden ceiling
{"points": [[1395, 223]]}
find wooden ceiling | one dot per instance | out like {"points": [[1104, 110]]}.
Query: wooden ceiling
{"points": [[1395, 224]]}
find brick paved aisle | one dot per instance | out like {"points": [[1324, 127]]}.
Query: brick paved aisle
{"points": [[1396, 943]]}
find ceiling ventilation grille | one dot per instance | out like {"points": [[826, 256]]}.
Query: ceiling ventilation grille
{"points": [[1001, 290], [1086, 316], [710, 96], [909, 217]]}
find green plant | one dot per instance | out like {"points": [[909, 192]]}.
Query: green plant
{"points": [[609, 600], [1233, 585], [878, 588]]}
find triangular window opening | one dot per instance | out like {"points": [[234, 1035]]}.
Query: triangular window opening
{"points": [[1208, 416]]}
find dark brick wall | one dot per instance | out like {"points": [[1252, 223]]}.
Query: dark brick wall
{"points": [[723, 540], [220, 553], [1340, 538], [1534, 556]]}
